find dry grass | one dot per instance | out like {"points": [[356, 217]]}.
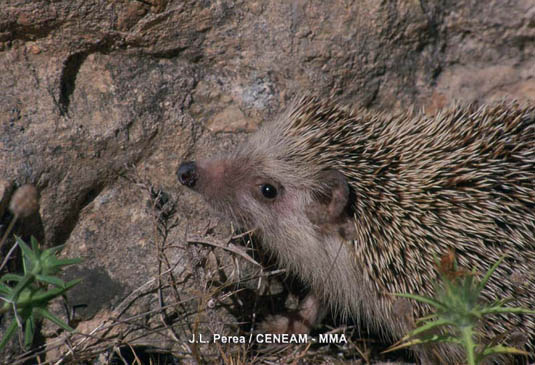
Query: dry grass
{"points": [[197, 291]]}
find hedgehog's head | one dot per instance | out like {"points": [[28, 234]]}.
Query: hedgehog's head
{"points": [[256, 194], [274, 182], [266, 185]]}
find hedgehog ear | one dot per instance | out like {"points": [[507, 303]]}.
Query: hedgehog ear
{"points": [[330, 209]]}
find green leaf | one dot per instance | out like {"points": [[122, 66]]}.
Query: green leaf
{"points": [[9, 333], [494, 310], [35, 244], [52, 318], [45, 296], [31, 258], [4, 289], [26, 250], [25, 296], [29, 331], [26, 280], [53, 280], [422, 299], [11, 277], [423, 340], [500, 303], [26, 264], [65, 262], [52, 251], [487, 276], [426, 318], [501, 349], [429, 326], [52, 265]]}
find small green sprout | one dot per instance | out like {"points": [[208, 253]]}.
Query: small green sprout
{"points": [[457, 310], [27, 295]]}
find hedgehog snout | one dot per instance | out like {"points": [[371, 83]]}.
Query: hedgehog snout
{"points": [[187, 174]]}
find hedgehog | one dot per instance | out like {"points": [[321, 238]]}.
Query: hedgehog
{"points": [[359, 204]]}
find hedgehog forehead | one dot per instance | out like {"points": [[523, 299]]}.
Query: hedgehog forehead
{"points": [[272, 165], [273, 154]]}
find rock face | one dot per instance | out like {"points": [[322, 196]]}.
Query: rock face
{"points": [[100, 101]]}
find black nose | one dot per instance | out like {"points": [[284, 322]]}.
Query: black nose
{"points": [[187, 174]]}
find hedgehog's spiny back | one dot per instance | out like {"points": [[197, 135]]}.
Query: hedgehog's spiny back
{"points": [[463, 179], [322, 132]]}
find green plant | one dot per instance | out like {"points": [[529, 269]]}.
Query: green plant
{"points": [[27, 296], [457, 311]]}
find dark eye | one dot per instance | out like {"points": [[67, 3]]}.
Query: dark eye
{"points": [[268, 191]]}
